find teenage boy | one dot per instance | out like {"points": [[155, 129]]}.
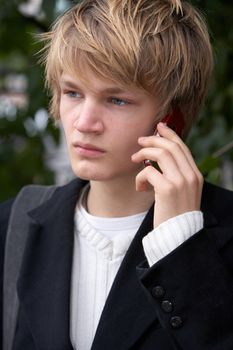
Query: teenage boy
{"points": [[128, 256]]}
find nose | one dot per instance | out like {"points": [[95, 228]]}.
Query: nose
{"points": [[88, 118]]}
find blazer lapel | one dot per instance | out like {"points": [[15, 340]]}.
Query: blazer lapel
{"points": [[127, 312], [44, 284]]}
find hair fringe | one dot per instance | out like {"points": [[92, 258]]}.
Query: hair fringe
{"points": [[161, 46]]}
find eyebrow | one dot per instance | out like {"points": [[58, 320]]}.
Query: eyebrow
{"points": [[111, 90], [68, 83]]}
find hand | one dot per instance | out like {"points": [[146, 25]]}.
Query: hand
{"points": [[178, 186]]}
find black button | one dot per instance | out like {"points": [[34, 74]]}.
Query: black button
{"points": [[176, 322], [158, 292], [167, 306]]}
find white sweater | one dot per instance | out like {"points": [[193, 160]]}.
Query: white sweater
{"points": [[100, 245]]}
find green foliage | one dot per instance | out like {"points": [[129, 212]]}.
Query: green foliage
{"points": [[22, 147], [215, 127]]}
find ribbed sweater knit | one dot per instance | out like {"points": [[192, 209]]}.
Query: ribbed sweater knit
{"points": [[100, 245]]}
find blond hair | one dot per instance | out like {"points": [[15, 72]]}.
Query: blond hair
{"points": [[161, 46]]}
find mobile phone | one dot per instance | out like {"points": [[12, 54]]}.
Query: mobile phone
{"points": [[175, 121]]}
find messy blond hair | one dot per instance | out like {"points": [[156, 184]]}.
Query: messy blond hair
{"points": [[161, 46]]}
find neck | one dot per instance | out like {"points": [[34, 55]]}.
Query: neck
{"points": [[109, 199]]}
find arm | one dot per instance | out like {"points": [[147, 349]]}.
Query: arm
{"points": [[170, 234], [191, 290], [178, 184]]}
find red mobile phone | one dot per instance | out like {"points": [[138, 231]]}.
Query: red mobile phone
{"points": [[175, 121]]}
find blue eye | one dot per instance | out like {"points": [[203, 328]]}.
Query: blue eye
{"points": [[118, 101], [73, 94]]}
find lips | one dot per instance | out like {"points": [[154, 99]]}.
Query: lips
{"points": [[88, 146], [87, 149]]}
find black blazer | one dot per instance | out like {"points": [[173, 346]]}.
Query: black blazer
{"points": [[185, 301]]}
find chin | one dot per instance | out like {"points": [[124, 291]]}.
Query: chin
{"points": [[90, 173], [103, 171]]}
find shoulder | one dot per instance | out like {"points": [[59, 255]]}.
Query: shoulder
{"points": [[5, 210], [214, 190], [219, 201]]}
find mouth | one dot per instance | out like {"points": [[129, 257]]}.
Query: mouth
{"points": [[88, 150]]}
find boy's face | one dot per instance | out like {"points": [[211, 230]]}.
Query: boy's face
{"points": [[102, 123]]}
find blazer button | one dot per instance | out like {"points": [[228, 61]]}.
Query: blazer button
{"points": [[167, 306], [158, 292], [176, 322]]}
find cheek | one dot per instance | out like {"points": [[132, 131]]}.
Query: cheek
{"points": [[65, 126], [125, 141], [66, 123], [67, 131], [129, 138], [131, 133], [66, 113], [62, 106]]}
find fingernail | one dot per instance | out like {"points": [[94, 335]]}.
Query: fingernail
{"points": [[164, 125]]}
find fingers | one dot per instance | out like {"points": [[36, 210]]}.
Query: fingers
{"points": [[166, 161], [174, 159], [170, 145], [170, 135], [178, 185], [154, 178]]}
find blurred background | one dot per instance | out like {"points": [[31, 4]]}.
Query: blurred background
{"points": [[32, 150]]}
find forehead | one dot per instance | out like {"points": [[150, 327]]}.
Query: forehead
{"points": [[97, 84], [84, 73]]}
